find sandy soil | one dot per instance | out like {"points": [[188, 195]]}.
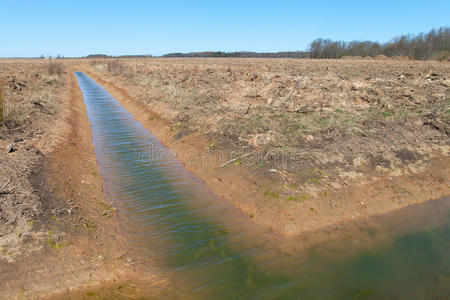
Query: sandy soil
{"points": [[58, 231], [314, 142], [299, 146]]}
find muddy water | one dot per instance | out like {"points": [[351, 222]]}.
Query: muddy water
{"points": [[208, 250]]}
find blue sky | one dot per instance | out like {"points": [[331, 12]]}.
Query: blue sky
{"points": [[78, 28]]}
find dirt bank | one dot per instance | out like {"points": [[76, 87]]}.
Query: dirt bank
{"points": [[381, 151], [58, 231], [371, 136]]}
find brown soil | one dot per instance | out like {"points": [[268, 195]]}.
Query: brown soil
{"points": [[376, 136], [58, 231], [311, 147]]}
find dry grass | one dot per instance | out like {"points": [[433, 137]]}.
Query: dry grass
{"points": [[55, 68], [318, 114], [97, 61], [13, 112], [1, 104], [30, 89], [115, 66]]}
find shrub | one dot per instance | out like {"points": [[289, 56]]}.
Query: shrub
{"points": [[13, 113], [55, 68]]}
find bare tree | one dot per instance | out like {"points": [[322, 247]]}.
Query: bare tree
{"points": [[433, 45]]}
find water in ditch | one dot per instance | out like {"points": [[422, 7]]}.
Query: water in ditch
{"points": [[208, 250]]}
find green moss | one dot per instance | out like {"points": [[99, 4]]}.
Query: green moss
{"points": [[21, 293], [292, 198], [314, 180], [292, 186], [271, 194], [89, 226], [297, 198], [175, 126], [53, 244], [153, 118]]}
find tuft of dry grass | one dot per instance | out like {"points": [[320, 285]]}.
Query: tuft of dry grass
{"points": [[1, 104], [55, 68], [11, 109], [116, 67], [13, 114]]}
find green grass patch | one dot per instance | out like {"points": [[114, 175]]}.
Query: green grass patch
{"points": [[153, 118], [52, 243], [292, 198], [325, 193], [292, 186], [271, 194], [388, 113]]}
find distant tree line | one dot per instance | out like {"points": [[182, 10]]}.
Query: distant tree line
{"points": [[289, 54], [120, 56], [432, 45], [97, 56]]}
